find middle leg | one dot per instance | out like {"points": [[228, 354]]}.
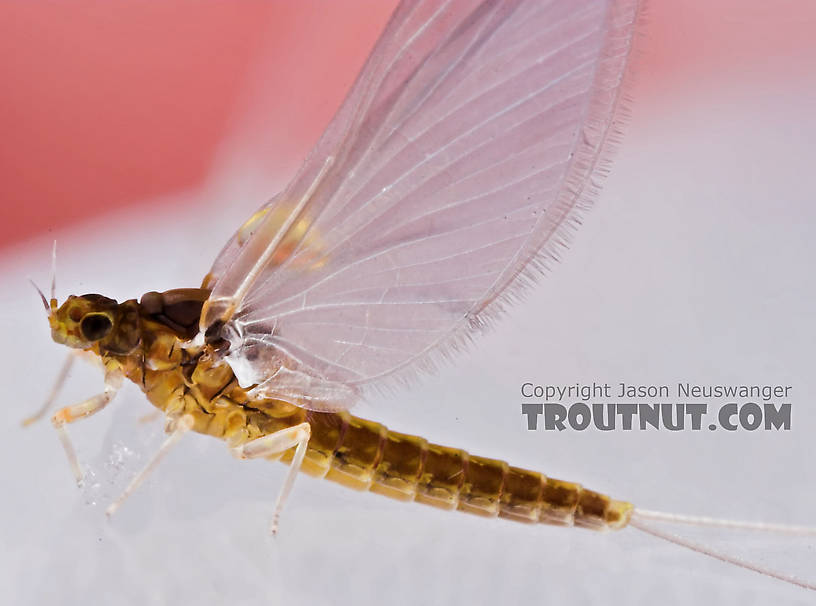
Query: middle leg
{"points": [[274, 444]]}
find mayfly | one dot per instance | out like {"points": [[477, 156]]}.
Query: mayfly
{"points": [[473, 136]]}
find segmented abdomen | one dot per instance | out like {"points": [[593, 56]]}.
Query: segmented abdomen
{"points": [[364, 455], [368, 456]]}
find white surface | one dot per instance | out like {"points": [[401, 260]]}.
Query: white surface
{"points": [[696, 264]]}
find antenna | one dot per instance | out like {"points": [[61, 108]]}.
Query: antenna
{"points": [[42, 295], [54, 276]]}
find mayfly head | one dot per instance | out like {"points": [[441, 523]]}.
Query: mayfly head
{"points": [[94, 322]]}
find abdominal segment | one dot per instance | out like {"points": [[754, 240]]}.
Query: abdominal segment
{"points": [[364, 455]]}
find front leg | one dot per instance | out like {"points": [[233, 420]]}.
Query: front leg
{"points": [[275, 444], [69, 414], [55, 389]]}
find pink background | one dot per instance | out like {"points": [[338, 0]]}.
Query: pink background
{"points": [[112, 104]]}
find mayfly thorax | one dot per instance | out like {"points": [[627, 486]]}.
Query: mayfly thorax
{"points": [[445, 183]]}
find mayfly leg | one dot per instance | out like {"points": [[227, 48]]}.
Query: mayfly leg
{"points": [[151, 416], [69, 414], [275, 444], [176, 428], [57, 387]]}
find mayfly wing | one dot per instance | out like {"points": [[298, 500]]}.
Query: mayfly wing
{"points": [[239, 265], [467, 143]]}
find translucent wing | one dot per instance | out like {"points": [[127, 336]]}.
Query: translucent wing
{"points": [[469, 139]]}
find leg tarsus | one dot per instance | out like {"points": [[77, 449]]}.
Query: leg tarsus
{"points": [[55, 389], [277, 443], [69, 414], [176, 428], [294, 467]]}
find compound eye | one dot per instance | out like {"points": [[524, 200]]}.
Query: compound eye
{"points": [[95, 326]]}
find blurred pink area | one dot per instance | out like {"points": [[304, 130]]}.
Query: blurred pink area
{"points": [[111, 104], [691, 44]]}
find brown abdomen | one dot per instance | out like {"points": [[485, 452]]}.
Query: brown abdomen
{"points": [[367, 456]]}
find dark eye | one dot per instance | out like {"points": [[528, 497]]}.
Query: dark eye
{"points": [[95, 326]]}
